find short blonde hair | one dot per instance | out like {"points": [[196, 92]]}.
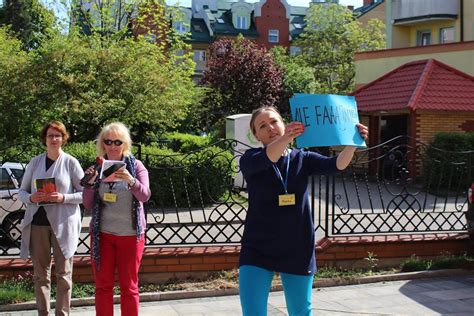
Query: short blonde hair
{"points": [[121, 130]]}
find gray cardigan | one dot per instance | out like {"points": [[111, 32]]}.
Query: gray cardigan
{"points": [[65, 218]]}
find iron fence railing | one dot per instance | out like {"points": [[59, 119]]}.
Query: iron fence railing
{"points": [[199, 198]]}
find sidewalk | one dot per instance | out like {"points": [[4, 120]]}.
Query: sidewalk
{"points": [[451, 295]]}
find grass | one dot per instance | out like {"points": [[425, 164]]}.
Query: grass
{"points": [[20, 289]]}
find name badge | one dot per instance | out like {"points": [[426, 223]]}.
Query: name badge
{"points": [[286, 199], [110, 197]]}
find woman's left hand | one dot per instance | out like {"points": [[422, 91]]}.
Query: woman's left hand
{"points": [[124, 175], [56, 197], [363, 131]]}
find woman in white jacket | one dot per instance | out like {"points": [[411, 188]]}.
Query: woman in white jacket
{"points": [[53, 218]]}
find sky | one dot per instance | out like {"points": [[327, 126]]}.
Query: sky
{"points": [[60, 9], [299, 3]]}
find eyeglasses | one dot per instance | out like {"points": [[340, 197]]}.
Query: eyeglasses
{"points": [[116, 142], [54, 136]]}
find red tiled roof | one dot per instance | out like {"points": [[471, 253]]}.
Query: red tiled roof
{"points": [[424, 84]]}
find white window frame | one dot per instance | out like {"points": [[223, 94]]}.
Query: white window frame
{"points": [[420, 38], [442, 32], [273, 36], [242, 22], [180, 27], [199, 56]]}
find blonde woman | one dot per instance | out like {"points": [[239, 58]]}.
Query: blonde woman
{"points": [[118, 222]]}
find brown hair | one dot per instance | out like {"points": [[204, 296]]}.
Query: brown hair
{"points": [[258, 111], [57, 126]]}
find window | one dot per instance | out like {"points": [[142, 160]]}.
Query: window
{"points": [[5, 180], [298, 26], [18, 174], [199, 56], [446, 35], [423, 38], [273, 36], [220, 21], [180, 27], [295, 50], [242, 22]]}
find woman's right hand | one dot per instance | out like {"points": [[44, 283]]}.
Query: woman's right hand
{"points": [[38, 197], [91, 170]]}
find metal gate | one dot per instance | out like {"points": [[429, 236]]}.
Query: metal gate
{"points": [[199, 198]]}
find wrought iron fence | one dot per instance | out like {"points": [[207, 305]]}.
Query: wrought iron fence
{"points": [[199, 198]]}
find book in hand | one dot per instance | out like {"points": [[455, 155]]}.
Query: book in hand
{"points": [[46, 185], [109, 167]]}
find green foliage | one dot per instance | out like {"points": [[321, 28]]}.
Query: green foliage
{"points": [[372, 261], [241, 77], [415, 264], [29, 20], [298, 77], [17, 290], [87, 82], [192, 180], [84, 152], [444, 261], [184, 143], [19, 114], [449, 154], [329, 42]]}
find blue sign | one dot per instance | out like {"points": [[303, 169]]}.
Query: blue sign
{"points": [[329, 120]]}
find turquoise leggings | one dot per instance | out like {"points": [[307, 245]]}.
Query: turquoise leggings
{"points": [[254, 288]]}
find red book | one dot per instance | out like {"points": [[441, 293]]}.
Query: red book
{"points": [[46, 185]]}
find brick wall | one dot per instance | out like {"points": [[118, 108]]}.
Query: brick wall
{"points": [[430, 122], [162, 264], [273, 17]]}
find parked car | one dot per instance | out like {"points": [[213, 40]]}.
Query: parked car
{"points": [[12, 210]]}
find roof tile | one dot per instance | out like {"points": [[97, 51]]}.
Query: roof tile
{"points": [[424, 84]]}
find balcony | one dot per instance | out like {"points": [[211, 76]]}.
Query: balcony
{"points": [[410, 12]]}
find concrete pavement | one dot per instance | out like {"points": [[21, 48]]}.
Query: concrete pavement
{"points": [[435, 295]]}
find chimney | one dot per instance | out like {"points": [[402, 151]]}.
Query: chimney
{"points": [[367, 2], [350, 7]]}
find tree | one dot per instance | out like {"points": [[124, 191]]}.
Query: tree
{"points": [[297, 77], [29, 20], [240, 78], [88, 81], [125, 18], [16, 92], [328, 44]]}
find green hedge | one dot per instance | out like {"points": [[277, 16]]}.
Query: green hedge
{"points": [[189, 180], [205, 174], [177, 179], [185, 142], [448, 162]]}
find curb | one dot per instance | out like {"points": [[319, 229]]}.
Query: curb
{"points": [[177, 295]]}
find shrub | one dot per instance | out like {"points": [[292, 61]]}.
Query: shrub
{"points": [[185, 142], [415, 264], [448, 162], [189, 180], [84, 152]]}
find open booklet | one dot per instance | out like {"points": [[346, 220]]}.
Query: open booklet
{"points": [[107, 173], [46, 185]]}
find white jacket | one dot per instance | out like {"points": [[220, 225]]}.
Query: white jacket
{"points": [[65, 218]]}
